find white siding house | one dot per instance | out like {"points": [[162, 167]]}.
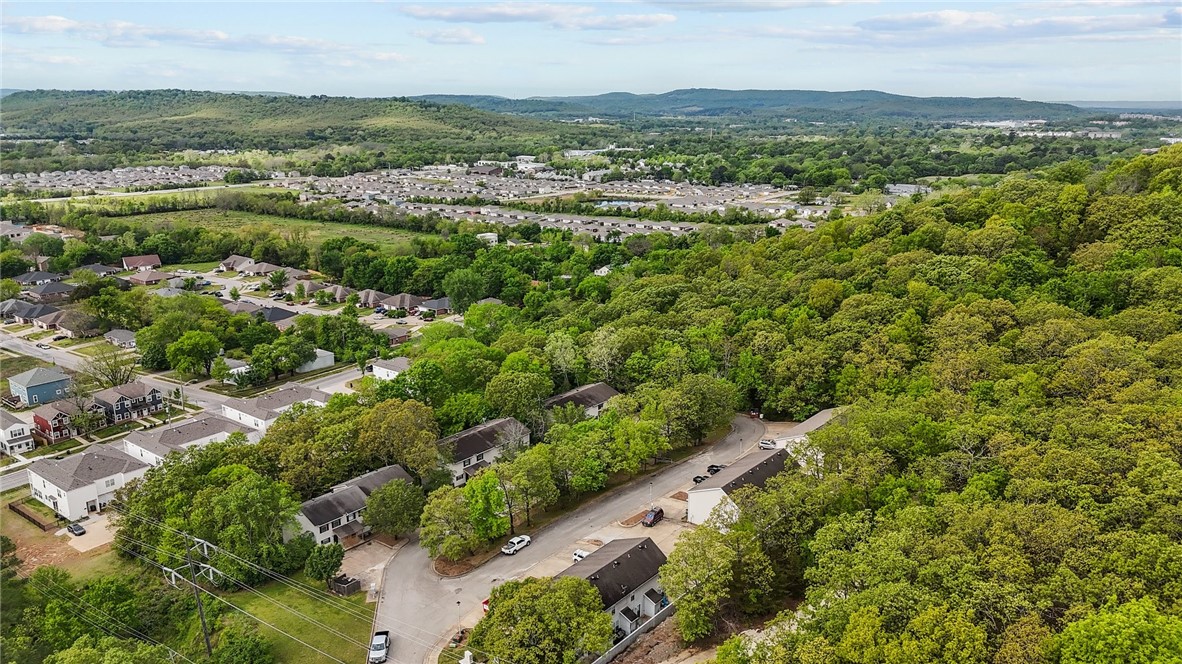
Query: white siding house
{"points": [[84, 482], [389, 369], [260, 412], [625, 572], [752, 470]]}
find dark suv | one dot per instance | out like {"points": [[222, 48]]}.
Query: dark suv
{"points": [[653, 517]]}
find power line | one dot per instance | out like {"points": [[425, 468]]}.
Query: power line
{"points": [[72, 601], [244, 611]]}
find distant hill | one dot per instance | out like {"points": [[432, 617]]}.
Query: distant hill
{"points": [[800, 104], [4, 92], [174, 119]]}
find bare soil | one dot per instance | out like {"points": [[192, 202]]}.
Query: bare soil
{"points": [[634, 519]]}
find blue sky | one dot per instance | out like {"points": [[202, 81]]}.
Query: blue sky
{"points": [[1035, 49]]}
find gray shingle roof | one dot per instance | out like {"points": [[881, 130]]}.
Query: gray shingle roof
{"points": [[480, 438], [587, 395], [93, 464], [174, 437], [398, 364], [752, 470], [38, 376], [323, 509], [267, 405], [619, 567]]}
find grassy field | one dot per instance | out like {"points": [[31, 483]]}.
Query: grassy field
{"points": [[289, 651], [196, 267], [317, 231]]}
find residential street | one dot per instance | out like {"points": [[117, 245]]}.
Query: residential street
{"points": [[422, 611]]}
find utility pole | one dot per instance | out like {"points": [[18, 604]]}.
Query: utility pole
{"points": [[200, 608]]}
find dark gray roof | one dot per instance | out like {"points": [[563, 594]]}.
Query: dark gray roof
{"points": [[395, 332], [240, 307], [275, 314], [752, 470], [99, 269], [53, 288], [133, 390], [323, 509], [587, 395], [76, 470], [403, 301], [375, 479], [435, 305], [480, 438], [32, 277], [38, 376], [268, 405], [619, 567]]}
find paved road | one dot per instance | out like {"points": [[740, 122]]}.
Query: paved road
{"points": [[422, 611]]}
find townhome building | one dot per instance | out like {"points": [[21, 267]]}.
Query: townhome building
{"points": [[83, 483]]}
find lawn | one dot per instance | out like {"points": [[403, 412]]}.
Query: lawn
{"points": [[55, 448], [18, 327], [196, 267], [92, 350], [317, 231], [288, 651], [68, 342], [38, 336]]}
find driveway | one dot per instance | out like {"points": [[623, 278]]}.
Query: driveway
{"points": [[422, 610], [98, 532]]}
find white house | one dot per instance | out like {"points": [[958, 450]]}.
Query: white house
{"points": [[262, 411], [592, 398], [752, 470], [152, 445], [16, 436], [490, 239], [335, 517], [237, 368], [389, 369], [472, 450], [323, 360], [84, 482], [625, 572]]}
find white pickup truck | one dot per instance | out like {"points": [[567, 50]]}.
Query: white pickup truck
{"points": [[379, 647]]}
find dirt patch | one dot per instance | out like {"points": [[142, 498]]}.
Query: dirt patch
{"points": [[657, 647], [680, 495], [447, 568], [634, 519]]}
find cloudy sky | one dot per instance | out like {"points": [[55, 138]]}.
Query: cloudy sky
{"points": [[1035, 49]]}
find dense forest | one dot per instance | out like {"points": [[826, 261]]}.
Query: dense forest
{"points": [[1001, 484]]}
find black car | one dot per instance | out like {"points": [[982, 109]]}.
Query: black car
{"points": [[60, 337], [714, 468], [701, 478], [76, 529]]}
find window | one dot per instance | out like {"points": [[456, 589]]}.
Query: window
{"points": [[326, 540], [336, 523], [324, 528], [110, 482], [59, 391], [35, 397], [467, 462], [480, 457]]}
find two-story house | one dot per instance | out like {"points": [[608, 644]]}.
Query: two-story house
{"points": [[335, 517], [474, 449], [54, 422], [591, 398], [84, 482], [625, 572], [39, 385], [262, 411], [152, 445], [131, 401], [16, 436]]}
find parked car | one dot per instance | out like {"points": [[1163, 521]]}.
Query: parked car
{"points": [[379, 310], [60, 337], [44, 346], [579, 554], [379, 647], [767, 444], [304, 303], [515, 544], [698, 479], [653, 517], [76, 529], [401, 321], [714, 468]]}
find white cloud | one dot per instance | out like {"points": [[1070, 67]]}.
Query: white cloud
{"points": [[39, 57], [567, 17], [954, 27], [124, 34], [753, 5], [450, 36]]}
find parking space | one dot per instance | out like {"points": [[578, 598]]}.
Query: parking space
{"points": [[99, 531], [366, 563]]}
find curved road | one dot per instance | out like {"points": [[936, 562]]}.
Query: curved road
{"points": [[422, 610]]}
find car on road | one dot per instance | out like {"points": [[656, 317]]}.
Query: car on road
{"points": [[698, 479], [579, 554], [714, 468], [652, 517], [44, 346], [401, 321], [379, 647], [76, 529], [767, 444], [515, 544]]}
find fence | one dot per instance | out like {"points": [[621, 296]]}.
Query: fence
{"points": [[631, 638], [29, 513]]}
